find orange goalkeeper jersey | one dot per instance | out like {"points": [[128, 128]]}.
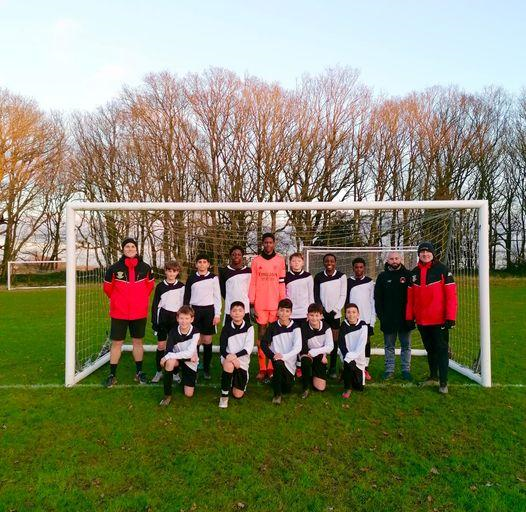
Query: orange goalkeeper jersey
{"points": [[267, 284]]}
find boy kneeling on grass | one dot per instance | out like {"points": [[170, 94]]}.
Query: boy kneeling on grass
{"points": [[351, 342], [317, 341], [181, 352], [281, 343], [235, 345]]}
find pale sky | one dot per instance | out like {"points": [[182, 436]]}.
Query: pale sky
{"points": [[70, 55]]}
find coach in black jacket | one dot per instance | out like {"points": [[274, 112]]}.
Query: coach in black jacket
{"points": [[390, 298]]}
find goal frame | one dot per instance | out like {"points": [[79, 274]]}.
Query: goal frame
{"points": [[483, 256], [22, 262]]}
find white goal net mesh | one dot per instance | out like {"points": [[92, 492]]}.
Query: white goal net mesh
{"points": [[180, 235]]}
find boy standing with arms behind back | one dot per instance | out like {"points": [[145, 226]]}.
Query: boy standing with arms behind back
{"points": [[267, 288]]}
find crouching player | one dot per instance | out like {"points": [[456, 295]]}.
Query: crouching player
{"points": [[317, 343], [282, 344], [181, 352], [167, 300], [235, 345], [352, 340]]}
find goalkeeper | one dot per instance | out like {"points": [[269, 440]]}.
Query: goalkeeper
{"points": [[267, 288]]}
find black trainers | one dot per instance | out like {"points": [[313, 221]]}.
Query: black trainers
{"points": [[110, 381], [141, 378]]}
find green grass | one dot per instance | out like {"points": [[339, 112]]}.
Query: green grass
{"points": [[391, 448]]}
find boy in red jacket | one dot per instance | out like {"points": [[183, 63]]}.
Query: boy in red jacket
{"points": [[128, 284], [267, 288], [432, 304]]}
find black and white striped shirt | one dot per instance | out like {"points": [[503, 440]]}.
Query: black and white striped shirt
{"points": [[299, 287], [182, 346], [330, 291], [203, 290], [237, 340], [234, 283], [284, 340], [316, 341]]}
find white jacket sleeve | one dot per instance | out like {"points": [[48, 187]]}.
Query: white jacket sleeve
{"points": [[327, 346], [249, 340], [296, 347], [310, 292], [190, 350], [359, 351], [217, 297], [343, 293]]}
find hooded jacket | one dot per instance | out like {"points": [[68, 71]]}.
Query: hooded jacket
{"points": [[432, 294], [390, 298], [128, 284]]}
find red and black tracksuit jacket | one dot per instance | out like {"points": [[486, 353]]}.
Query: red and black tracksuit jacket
{"points": [[431, 295], [128, 284]]}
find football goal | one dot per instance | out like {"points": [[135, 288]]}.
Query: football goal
{"points": [[458, 229], [23, 275]]}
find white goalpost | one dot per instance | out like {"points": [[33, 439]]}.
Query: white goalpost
{"points": [[367, 229]]}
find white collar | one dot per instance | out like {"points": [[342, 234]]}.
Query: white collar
{"points": [[232, 268], [314, 329], [188, 333], [234, 326]]}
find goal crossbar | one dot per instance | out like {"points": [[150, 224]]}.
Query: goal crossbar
{"points": [[483, 253]]}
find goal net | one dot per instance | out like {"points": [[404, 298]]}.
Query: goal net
{"points": [[166, 231], [36, 274]]}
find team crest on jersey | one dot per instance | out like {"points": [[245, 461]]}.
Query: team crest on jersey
{"points": [[120, 274], [413, 278], [402, 280]]}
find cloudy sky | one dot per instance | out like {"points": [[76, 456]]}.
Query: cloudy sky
{"points": [[76, 55]]}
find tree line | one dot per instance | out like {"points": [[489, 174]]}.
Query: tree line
{"points": [[214, 136]]}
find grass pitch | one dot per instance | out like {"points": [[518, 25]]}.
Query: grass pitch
{"points": [[393, 447]]}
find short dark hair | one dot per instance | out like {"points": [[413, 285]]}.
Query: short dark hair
{"points": [[315, 308], [202, 256], [236, 303], [172, 265], [285, 303], [351, 305], [236, 248], [186, 310], [359, 259], [327, 255], [268, 235]]}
